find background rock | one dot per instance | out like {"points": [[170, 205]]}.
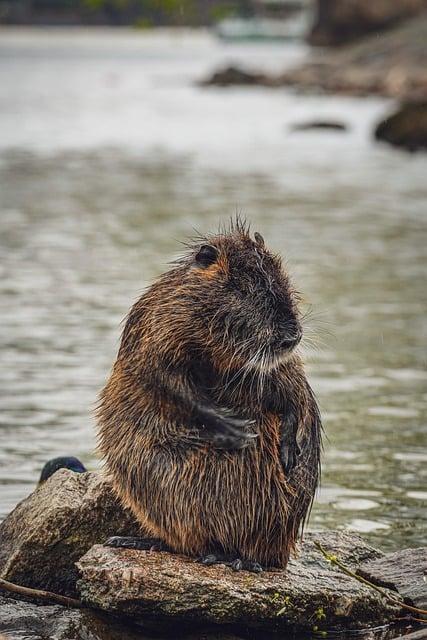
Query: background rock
{"points": [[406, 127], [339, 21], [234, 76], [391, 64], [41, 539], [166, 590], [326, 125]]}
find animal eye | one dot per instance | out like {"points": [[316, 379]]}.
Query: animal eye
{"points": [[206, 255]]}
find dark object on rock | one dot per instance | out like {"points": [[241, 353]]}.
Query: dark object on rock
{"points": [[47, 532], [231, 76], [404, 571], [319, 124], [63, 462], [171, 590], [406, 128], [208, 425], [339, 21]]}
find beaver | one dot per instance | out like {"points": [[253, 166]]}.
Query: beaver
{"points": [[208, 426]]}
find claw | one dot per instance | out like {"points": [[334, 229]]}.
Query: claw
{"points": [[254, 567], [236, 564], [208, 560]]}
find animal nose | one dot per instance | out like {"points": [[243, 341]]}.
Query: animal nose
{"points": [[291, 341]]}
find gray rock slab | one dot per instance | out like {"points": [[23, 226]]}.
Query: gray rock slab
{"points": [[405, 571], [168, 590]]}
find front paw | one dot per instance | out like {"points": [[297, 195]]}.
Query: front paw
{"points": [[226, 431]]}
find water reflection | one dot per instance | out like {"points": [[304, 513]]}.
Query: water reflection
{"points": [[89, 218]]}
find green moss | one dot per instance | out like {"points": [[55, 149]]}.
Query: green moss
{"points": [[284, 601], [320, 614]]}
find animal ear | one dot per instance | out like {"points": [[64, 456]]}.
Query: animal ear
{"points": [[259, 239], [206, 255]]}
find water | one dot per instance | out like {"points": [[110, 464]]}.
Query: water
{"points": [[110, 154]]}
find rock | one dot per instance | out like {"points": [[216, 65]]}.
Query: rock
{"points": [[319, 124], [167, 590], [406, 128], [421, 634], [392, 64], [235, 76], [339, 21], [404, 571], [27, 620], [41, 539]]}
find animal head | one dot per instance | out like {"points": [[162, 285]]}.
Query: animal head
{"points": [[244, 309]]}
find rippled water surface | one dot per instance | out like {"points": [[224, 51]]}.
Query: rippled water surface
{"points": [[110, 154]]}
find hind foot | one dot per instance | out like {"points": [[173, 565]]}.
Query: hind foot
{"points": [[141, 544], [236, 564]]}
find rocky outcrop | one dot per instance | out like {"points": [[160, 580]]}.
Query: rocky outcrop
{"points": [[57, 525], [41, 539], [165, 590], [339, 21], [406, 127], [392, 64]]}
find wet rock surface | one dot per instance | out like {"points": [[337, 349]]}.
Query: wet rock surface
{"points": [[42, 538], [406, 127], [164, 590], [404, 571], [21, 620]]}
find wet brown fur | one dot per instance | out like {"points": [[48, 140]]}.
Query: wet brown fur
{"points": [[193, 496]]}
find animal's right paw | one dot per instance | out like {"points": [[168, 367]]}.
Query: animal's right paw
{"points": [[226, 431], [236, 564]]}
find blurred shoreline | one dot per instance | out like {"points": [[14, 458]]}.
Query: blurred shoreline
{"points": [[391, 64]]}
